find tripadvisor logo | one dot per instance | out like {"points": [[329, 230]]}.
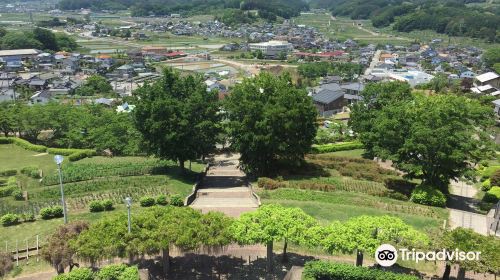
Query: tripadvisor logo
{"points": [[386, 255]]}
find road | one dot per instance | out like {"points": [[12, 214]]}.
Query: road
{"points": [[373, 63]]}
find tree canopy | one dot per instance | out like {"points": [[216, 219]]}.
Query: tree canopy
{"points": [[434, 138], [177, 117], [270, 121]]}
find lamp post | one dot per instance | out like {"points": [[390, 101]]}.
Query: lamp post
{"points": [[128, 202], [59, 160]]}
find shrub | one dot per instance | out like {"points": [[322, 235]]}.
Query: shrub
{"points": [[493, 195], [31, 171], [7, 191], [81, 155], [8, 172], [428, 196], [147, 201], [330, 148], [161, 200], [495, 178], [488, 171], [96, 206], [52, 212], [327, 270], [118, 272], [12, 182], [176, 200], [130, 273], [28, 217], [107, 204], [9, 219], [270, 184], [77, 274], [486, 185], [18, 195]]}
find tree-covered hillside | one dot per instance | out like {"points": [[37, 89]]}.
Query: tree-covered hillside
{"points": [[452, 17], [283, 8]]}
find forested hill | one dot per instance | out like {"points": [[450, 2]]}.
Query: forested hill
{"points": [[473, 18], [283, 8]]}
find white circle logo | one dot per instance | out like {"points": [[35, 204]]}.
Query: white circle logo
{"points": [[386, 255]]}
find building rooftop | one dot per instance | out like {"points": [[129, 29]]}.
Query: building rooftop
{"points": [[19, 52], [487, 77], [326, 96]]}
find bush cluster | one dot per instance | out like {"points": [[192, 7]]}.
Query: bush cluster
{"points": [[8, 172], [487, 172], [11, 187], [270, 184], [9, 219], [493, 195], [427, 195], [148, 201], [18, 195], [23, 144], [330, 148], [31, 171], [486, 185], [101, 205], [52, 212], [328, 270], [110, 272]]}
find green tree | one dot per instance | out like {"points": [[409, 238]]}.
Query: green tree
{"points": [[491, 56], [7, 118], [177, 117], [19, 40], [271, 121], [434, 138], [57, 251], [93, 85], [65, 42], [47, 38], [365, 233], [272, 223]]}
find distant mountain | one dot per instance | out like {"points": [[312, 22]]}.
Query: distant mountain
{"points": [[473, 18], [283, 8]]}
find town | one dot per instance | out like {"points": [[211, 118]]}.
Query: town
{"points": [[221, 140]]}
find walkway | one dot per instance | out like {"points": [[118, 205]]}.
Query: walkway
{"points": [[224, 189], [462, 208]]}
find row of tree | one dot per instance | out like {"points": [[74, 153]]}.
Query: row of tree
{"points": [[347, 71], [67, 126], [160, 229], [38, 38]]}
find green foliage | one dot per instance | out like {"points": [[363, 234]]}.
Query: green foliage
{"points": [[94, 85], [31, 171], [9, 219], [366, 233], [345, 70], [161, 200], [488, 171], [315, 270], [8, 172], [20, 40], [495, 178], [7, 191], [107, 204], [330, 148], [486, 185], [147, 201], [117, 272], [400, 186], [271, 121], [233, 17], [433, 138], [177, 117], [428, 196], [77, 274], [176, 200], [96, 206], [23, 143], [52, 212], [18, 195], [493, 195], [491, 56]]}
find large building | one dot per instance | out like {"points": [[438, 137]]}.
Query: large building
{"points": [[18, 55], [272, 48]]}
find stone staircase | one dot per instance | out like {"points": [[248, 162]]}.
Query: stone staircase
{"points": [[225, 189]]}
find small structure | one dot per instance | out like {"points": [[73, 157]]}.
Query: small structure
{"points": [[490, 78], [272, 48]]}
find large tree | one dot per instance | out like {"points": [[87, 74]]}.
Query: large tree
{"points": [[435, 138], [364, 234], [272, 223], [47, 38], [271, 120], [177, 117], [57, 251]]}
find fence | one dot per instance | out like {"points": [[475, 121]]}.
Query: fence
{"points": [[24, 249]]}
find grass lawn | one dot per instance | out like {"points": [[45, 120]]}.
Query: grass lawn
{"points": [[339, 205], [352, 153], [15, 157]]}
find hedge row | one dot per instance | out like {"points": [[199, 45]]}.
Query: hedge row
{"points": [[101, 205], [330, 148], [10, 219], [10, 189], [8, 172], [72, 154], [428, 196], [148, 201], [110, 272], [51, 212], [317, 270]]}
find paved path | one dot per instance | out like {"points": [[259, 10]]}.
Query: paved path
{"points": [[224, 189], [462, 208]]}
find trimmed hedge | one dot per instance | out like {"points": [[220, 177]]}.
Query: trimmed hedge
{"points": [[162, 200], [486, 185], [428, 196], [8, 172], [101, 205], [81, 273], [493, 195], [147, 201], [323, 270], [7, 191], [176, 200], [31, 171], [51, 212], [109, 272], [330, 148], [23, 143], [9, 219]]}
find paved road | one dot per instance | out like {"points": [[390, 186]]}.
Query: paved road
{"points": [[224, 189], [462, 208]]}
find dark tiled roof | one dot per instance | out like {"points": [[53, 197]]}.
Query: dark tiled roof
{"points": [[326, 96]]}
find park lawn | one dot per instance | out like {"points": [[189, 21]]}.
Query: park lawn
{"points": [[15, 157], [339, 205], [357, 153]]}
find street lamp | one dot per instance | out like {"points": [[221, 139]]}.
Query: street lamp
{"points": [[128, 202], [59, 160]]}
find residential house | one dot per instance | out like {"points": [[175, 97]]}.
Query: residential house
{"points": [[42, 97], [490, 78], [329, 102]]}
